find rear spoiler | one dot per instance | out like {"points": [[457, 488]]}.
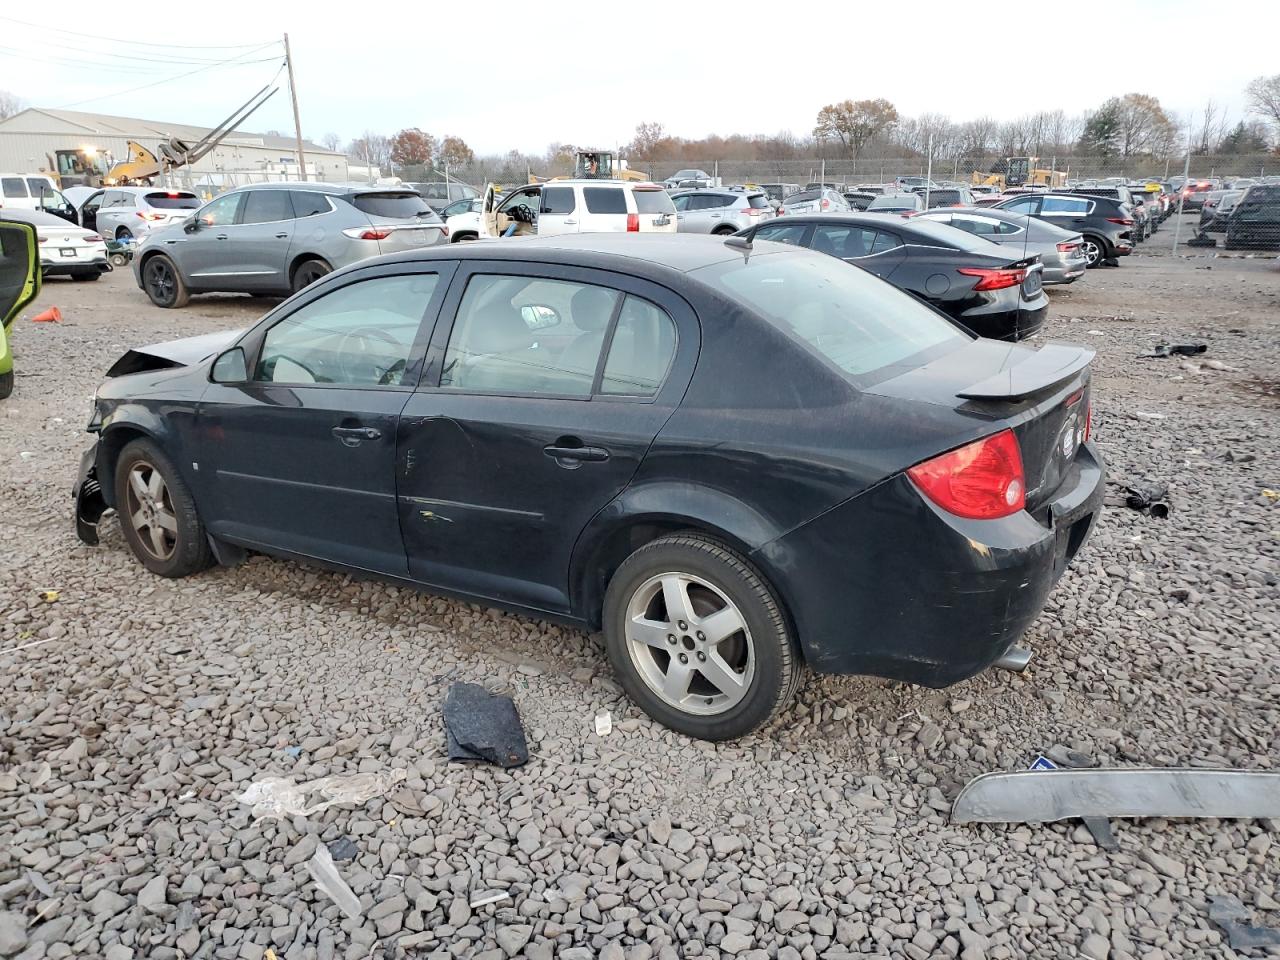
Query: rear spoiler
{"points": [[1049, 366]]}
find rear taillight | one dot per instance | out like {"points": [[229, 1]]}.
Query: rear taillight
{"points": [[982, 480], [1088, 420], [1123, 221], [994, 279], [367, 233], [93, 238], [781, 211], [42, 239], [825, 203], [148, 215], [752, 211], [1068, 247], [444, 231], [633, 223]]}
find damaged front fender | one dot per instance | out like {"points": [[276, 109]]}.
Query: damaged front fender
{"points": [[90, 503]]}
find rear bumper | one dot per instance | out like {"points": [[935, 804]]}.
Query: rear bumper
{"points": [[888, 584], [62, 268]]}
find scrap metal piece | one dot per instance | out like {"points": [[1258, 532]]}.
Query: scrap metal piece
{"points": [[1100, 827], [1229, 913], [1044, 796]]}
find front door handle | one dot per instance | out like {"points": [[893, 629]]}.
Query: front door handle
{"points": [[353, 435], [282, 236], [221, 236], [565, 449]]}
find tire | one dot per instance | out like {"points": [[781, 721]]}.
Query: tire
{"points": [[91, 275], [6, 384], [756, 648], [1095, 250], [163, 283], [157, 512], [119, 260], [122, 233], [466, 237], [723, 231], [307, 273]]}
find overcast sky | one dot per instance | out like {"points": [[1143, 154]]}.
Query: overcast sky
{"points": [[526, 74]]}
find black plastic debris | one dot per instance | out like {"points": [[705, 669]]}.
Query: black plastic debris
{"points": [[1177, 349], [1230, 914], [483, 727], [1148, 498], [1202, 240], [343, 849]]}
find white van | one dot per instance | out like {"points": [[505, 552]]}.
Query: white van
{"points": [[34, 191], [577, 206]]}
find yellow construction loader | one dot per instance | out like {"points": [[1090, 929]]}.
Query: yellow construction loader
{"points": [[1019, 172]]}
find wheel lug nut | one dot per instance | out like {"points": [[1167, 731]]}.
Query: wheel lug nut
{"points": [[702, 636], [671, 638], [684, 658], [702, 656], [683, 625]]}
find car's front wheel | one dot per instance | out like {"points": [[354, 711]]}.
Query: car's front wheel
{"points": [[163, 283], [6, 384], [157, 512], [698, 639]]}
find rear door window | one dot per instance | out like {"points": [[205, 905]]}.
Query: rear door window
{"points": [[605, 199], [644, 342], [38, 186], [266, 206], [173, 200], [885, 241], [309, 204], [558, 200], [842, 240], [13, 187], [1025, 205], [403, 205], [1068, 205]]}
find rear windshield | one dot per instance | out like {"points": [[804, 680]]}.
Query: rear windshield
{"points": [[653, 201], [804, 195], [758, 201], [173, 200], [404, 205], [775, 193], [944, 196], [892, 203], [855, 321]]}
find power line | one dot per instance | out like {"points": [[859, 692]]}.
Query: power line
{"points": [[98, 65], [234, 61], [181, 60], [140, 43]]}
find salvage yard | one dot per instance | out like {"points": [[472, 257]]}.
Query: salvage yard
{"points": [[138, 708]]}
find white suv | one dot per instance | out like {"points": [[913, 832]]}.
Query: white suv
{"points": [[577, 206]]}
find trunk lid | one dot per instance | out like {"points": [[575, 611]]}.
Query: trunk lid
{"points": [[1042, 395]]}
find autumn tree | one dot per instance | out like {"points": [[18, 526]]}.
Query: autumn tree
{"points": [[855, 123], [1143, 127], [561, 157], [455, 153], [648, 142], [10, 103], [371, 148], [1263, 94], [412, 148]]}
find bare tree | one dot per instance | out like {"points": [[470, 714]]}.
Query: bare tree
{"points": [[1264, 99], [10, 103], [331, 141], [1208, 128]]}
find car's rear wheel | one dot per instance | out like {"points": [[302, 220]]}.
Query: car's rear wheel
{"points": [[163, 283], [6, 384], [1094, 251], [157, 512], [122, 233], [698, 639], [465, 237], [308, 272], [723, 231]]}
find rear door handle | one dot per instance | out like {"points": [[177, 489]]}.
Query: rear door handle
{"points": [[559, 451], [353, 435]]}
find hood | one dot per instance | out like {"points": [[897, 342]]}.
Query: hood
{"points": [[173, 353]]}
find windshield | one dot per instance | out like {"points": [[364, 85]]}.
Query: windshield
{"points": [[854, 320], [403, 205]]}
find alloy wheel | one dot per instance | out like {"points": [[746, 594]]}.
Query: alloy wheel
{"points": [[160, 281], [690, 643], [150, 511], [1092, 251]]}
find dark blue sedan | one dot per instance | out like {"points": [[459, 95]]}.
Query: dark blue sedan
{"points": [[735, 459]]}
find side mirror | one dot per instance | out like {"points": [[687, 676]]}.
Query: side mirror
{"points": [[230, 367], [538, 316], [191, 224]]}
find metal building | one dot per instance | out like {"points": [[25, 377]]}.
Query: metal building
{"points": [[38, 140]]}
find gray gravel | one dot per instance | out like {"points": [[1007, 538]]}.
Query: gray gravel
{"points": [[125, 737]]}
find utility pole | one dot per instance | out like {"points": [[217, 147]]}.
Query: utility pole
{"points": [[1182, 196], [297, 123]]}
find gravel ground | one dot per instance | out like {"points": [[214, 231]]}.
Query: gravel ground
{"points": [[125, 738]]}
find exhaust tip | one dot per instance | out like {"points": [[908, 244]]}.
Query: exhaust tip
{"points": [[1015, 658]]}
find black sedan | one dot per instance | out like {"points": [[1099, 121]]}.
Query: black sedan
{"points": [[733, 459], [994, 291]]}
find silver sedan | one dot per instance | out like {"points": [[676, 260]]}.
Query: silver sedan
{"points": [[1061, 252]]}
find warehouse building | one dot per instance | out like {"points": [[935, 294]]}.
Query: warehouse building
{"points": [[72, 145]]}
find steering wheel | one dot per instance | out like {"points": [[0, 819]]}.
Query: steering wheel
{"points": [[354, 353]]}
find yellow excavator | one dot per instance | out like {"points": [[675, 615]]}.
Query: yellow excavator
{"points": [[86, 166], [597, 165], [1019, 172]]}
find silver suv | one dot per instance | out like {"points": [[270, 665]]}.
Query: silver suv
{"points": [[720, 211], [133, 212], [276, 238]]}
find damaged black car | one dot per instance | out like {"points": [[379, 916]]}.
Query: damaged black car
{"points": [[736, 460]]}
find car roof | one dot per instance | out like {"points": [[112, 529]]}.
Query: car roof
{"points": [[657, 256], [142, 190], [333, 189], [37, 217]]}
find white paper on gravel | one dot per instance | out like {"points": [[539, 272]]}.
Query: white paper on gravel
{"points": [[280, 797]]}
